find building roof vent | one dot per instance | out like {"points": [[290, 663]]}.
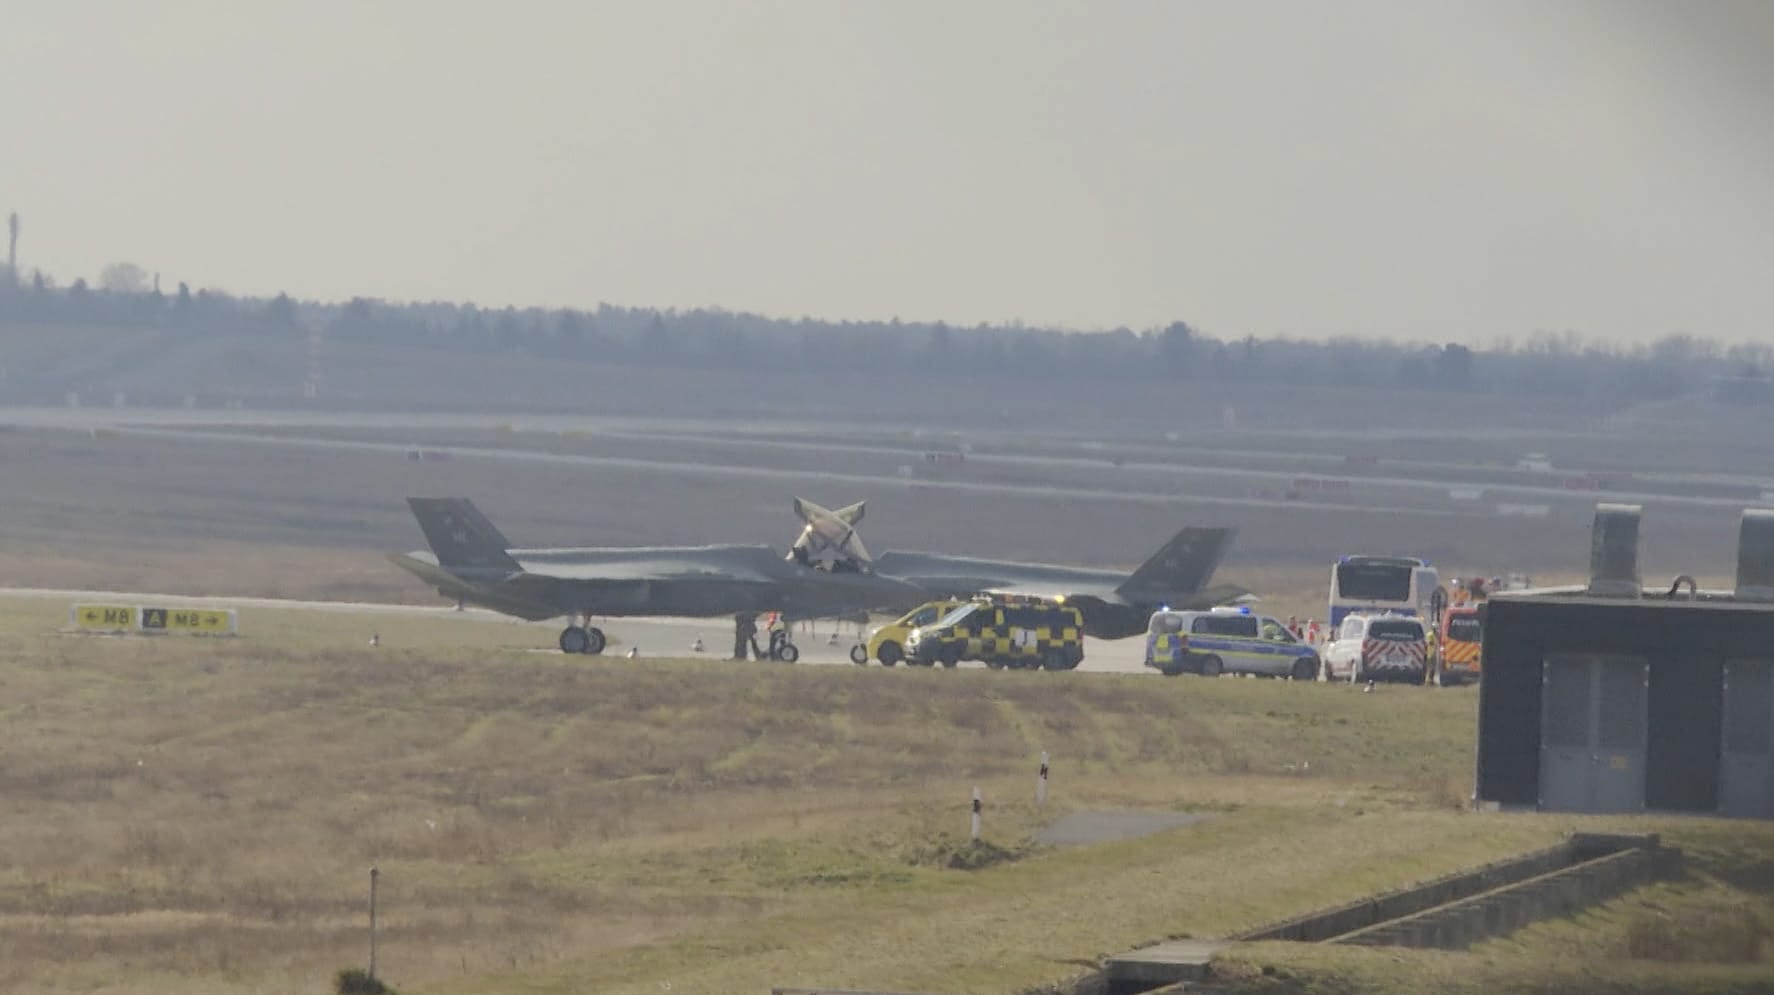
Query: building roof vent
{"points": [[1613, 552], [1755, 556]]}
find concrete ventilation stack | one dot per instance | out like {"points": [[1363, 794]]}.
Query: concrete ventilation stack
{"points": [[1613, 553], [1755, 556]]}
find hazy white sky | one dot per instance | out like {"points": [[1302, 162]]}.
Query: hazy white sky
{"points": [[1411, 169]]}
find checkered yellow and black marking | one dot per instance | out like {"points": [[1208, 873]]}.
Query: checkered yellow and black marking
{"points": [[1017, 644], [1006, 642], [1167, 647], [1460, 653]]}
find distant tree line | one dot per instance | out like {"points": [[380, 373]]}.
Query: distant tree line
{"points": [[1542, 363]]}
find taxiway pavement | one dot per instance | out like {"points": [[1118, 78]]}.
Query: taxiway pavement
{"points": [[820, 643]]}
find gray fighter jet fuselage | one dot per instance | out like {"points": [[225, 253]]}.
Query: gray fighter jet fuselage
{"points": [[679, 581]]}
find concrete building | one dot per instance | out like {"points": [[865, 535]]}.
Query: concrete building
{"points": [[1612, 698]]}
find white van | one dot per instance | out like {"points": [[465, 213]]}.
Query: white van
{"points": [[1378, 648]]}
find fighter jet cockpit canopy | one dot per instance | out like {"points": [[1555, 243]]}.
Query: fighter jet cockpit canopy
{"points": [[828, 541]]}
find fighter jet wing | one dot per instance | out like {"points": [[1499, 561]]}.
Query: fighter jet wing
{"points": [[471, 560], [1046, 590], [642, 565], [1207, 597], [677, 585]]}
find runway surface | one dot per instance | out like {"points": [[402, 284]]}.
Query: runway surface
{"points": [[718, 470], [650, 637], [1420, 479]]}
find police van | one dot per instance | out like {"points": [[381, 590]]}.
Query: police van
{"points": [[1020, 635], [1226, 641], [886, 643]]}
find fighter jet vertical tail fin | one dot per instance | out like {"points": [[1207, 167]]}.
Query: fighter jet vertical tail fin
{"points": [[460, 535], [1181, 566]]}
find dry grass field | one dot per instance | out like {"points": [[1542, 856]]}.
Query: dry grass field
{"points": [[199, 816]]}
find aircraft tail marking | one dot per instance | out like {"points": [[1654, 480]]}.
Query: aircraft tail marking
{"points": [[460, 535], [1181, 566]]}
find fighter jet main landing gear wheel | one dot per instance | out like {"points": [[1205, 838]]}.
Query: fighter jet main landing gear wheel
{"points": [[787, 653], [589, 639], [859, 654]]}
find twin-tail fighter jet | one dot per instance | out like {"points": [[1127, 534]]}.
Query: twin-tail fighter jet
{"points": [[828, 573]]}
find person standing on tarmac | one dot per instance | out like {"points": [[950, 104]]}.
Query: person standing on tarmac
{"points": [[1430, 665], [745, 635], [778, 635]]}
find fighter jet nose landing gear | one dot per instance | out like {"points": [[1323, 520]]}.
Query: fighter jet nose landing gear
{"points": [[586, 639]]}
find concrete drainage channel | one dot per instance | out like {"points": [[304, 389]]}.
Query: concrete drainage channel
{"points": [[1454, 912], [1448, 913]]}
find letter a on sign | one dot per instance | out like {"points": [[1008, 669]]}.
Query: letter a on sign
{"points": [[153, 618]]}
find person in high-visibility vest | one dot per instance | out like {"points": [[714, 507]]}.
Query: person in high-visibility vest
{"points": [[1430, 663], [778, 635]]}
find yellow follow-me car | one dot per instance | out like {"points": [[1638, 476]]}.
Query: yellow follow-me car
{"points": [[886, 643]]}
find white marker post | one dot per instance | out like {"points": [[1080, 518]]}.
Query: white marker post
{"points": [[1041, 783], [976, 808]]}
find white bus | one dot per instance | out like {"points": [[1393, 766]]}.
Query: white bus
{"points": [[1402, 585]]}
